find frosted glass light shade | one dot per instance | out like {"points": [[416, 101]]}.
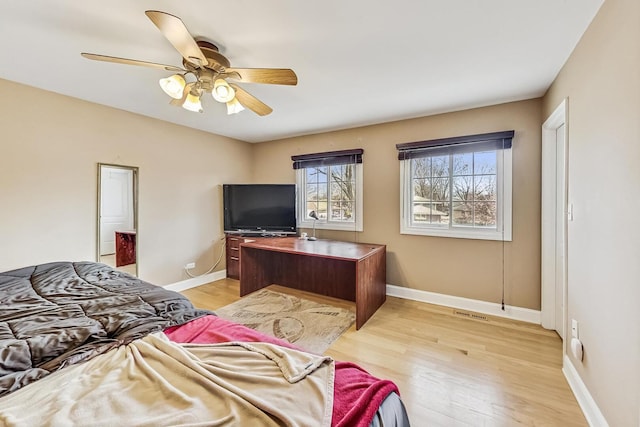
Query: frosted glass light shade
{"points": [[222, 92], [192, 103], [173, 85], [234, 106]]}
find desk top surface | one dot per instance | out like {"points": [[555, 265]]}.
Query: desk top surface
{"points": [[320, 247]]}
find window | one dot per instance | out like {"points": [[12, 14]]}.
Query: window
{"points": [[330, 184], [457, 187]]}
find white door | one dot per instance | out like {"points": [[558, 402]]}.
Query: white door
{"points": [[554, 221], [561, 211], [116, 205]]}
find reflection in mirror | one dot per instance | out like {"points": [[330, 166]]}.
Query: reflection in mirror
{"points": [[117, 222]]}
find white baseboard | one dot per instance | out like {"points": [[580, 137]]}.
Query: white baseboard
{"points": [[491, 308], [196, 281], [589, 407]]}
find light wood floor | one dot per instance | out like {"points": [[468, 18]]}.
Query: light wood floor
{"points": [[451, 371], [111, 261]]}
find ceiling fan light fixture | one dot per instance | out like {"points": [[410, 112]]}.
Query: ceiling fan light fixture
{"points": [[234, 106], [173, 85], [222, 92], [209, 68], [192, 103]]}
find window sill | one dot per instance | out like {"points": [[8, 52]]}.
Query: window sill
{"points": [[350, 226], [458, 233]]}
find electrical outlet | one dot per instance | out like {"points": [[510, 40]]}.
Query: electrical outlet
{"points": [[190, 265], [574, 328]]}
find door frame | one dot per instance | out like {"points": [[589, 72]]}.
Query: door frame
{"points": [[549, 217], [134, 171]]}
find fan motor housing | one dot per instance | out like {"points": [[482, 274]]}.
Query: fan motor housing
{"points": [[211, 52]]}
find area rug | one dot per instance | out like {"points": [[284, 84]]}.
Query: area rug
{"points": [[306, 324]]}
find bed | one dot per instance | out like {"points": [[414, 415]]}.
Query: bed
{"points": [[84, 344]]}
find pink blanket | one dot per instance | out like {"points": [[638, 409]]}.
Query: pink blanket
{"points": [[357, 394]]}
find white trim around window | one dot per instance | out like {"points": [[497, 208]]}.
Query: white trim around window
{"points": [[327, 224], [503, 228]]}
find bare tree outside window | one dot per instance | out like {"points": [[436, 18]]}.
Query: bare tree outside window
{"points": [[455, 189], [431, 190], [330, 191]]}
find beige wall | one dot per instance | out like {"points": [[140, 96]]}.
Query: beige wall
{"points": [[49, 149], [602, 82], [460, 267]]}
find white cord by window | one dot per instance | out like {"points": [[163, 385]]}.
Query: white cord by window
{"points": [[186, 270]]}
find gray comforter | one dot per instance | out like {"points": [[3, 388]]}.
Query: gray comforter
{"points": [[58, 314]]}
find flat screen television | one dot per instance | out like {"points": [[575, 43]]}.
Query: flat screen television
{"points": [[259, 208]]}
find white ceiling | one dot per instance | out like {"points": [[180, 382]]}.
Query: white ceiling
{"points": [[358, 62]]}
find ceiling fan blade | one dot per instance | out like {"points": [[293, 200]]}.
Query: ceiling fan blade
{"points": [[176, 32], [274, 76], [117, 60], [250, 101]]}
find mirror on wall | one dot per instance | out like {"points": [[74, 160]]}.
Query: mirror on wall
{"points": [[117, 223]]}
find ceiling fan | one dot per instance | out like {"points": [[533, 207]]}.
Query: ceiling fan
{"points": [[205, 70]]}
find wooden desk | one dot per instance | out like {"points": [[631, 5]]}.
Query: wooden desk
{"points": [[351, 271]]}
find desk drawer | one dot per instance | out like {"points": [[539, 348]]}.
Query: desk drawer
{"points": [[233, 267], [234, 242], [233, 253], [233, 256]]}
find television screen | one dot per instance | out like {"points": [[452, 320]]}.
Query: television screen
{"points": [[259, 207]]}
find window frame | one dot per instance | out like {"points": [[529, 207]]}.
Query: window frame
{"points": [[327, 224], [504, 205]]}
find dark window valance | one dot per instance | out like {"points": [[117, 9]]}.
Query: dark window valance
{"points": [[328, 158], [458, 144]]}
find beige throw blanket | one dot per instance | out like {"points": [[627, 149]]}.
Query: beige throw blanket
{"points": [[154, 382]]}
